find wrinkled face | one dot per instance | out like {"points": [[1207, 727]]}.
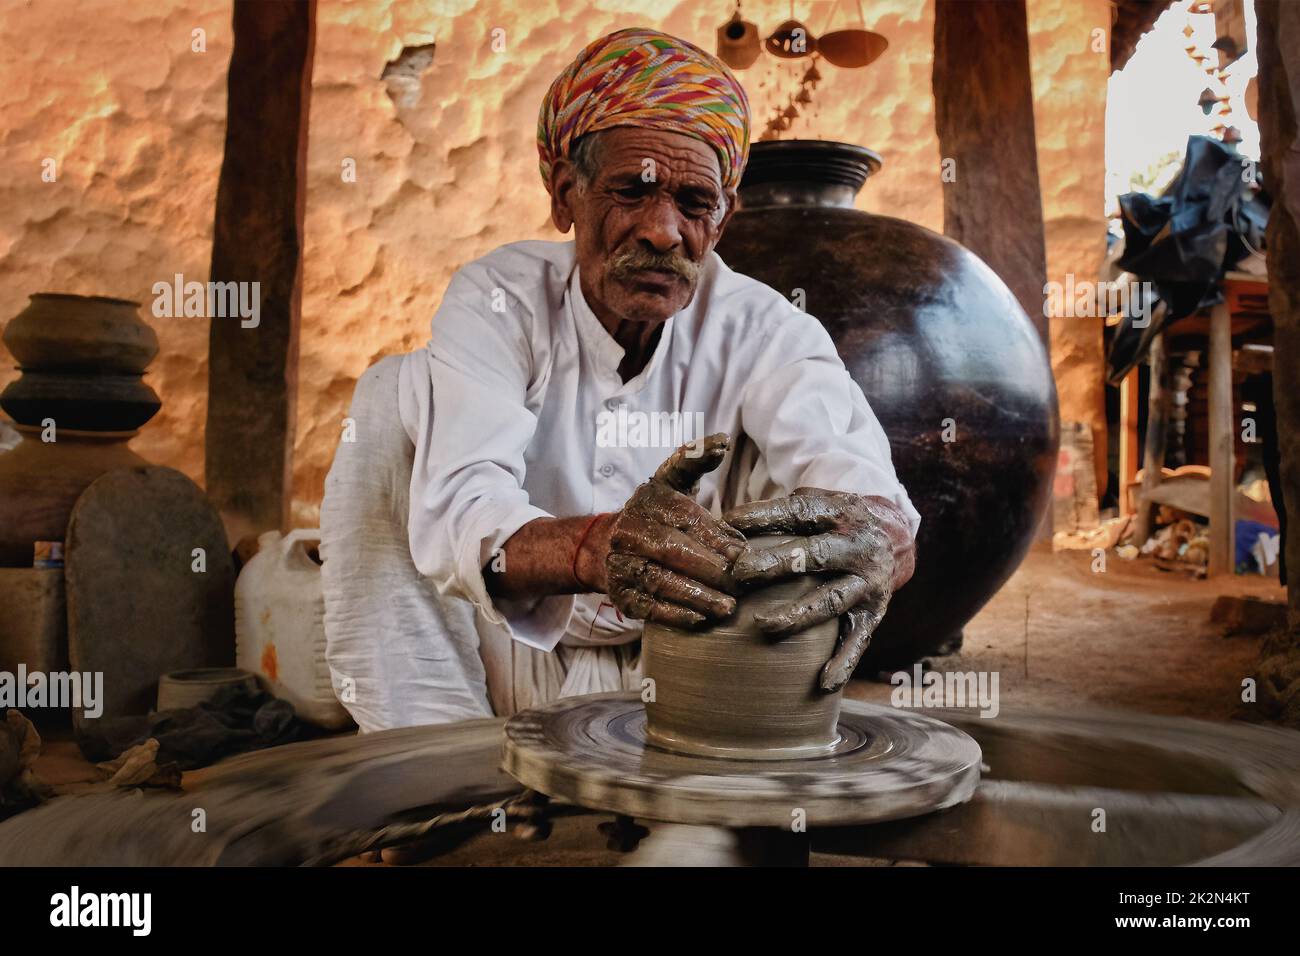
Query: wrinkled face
{"points": [[653, 209]]}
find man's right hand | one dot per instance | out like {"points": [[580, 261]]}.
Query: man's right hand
{"points": [[669, 559]]}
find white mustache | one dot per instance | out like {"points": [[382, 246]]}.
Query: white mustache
{"points": [[628, 263]]}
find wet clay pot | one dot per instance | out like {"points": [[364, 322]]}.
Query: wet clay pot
{"points": [[948, 360], [731, 691]]}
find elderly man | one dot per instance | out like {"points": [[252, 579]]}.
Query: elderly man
{"points": [[503, 546]]}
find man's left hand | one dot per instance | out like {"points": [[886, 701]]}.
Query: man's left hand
{"points": [[863, 540]]}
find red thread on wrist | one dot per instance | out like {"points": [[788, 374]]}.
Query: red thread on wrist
{"points": [[578, 550]]}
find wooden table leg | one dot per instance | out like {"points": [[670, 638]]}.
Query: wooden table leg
{"points": [[1153, 456], [1128, 440], [1222, 426]]}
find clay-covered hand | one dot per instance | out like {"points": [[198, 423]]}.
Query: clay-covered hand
{"points": [[669, 559], [863, 541]]}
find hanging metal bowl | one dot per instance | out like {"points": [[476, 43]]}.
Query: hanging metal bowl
{"points": [[791, 41], [851, 49]]}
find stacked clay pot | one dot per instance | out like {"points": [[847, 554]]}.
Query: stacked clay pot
{"points": [[82, 360]]}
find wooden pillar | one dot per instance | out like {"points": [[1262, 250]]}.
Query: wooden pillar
{"points": [[1278, 44], [1128, 439], [984, 115], [1153, 456], [257, 237], [1222, 429]]}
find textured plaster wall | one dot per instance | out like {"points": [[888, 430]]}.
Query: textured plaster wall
{"points": [[400, 195], [134, 120], [1069, 82]]}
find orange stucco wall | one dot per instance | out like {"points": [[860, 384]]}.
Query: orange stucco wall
{"points": [[133, 117]]}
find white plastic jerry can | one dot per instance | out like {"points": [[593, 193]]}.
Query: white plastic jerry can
{"points": [[280, 626]]}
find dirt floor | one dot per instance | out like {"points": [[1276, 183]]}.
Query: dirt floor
{"points": [[1133, 637]]}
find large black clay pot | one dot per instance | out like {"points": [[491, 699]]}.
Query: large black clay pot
{"points": [[941, 349]]}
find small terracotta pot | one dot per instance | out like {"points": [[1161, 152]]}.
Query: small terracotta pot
{"points": [[190, 688], [88, 333], [732, 691], [739, 43], [81, 357], [96, 403]]}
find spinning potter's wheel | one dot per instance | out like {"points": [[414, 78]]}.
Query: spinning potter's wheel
{"points": [[1176, 791], [888, 764], [738, 733]]}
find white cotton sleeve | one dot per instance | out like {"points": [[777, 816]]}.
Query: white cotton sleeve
{"points": [[466, 411], [811, 422]]}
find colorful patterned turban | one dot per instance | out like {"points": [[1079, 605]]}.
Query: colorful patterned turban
{"points": [[645, 78]]}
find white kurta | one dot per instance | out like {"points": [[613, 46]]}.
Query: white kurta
{"points": [[517, 412]]}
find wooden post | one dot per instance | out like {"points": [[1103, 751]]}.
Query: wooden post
{"points": [[1278, 46], [1153, 455], [993, 204], [1222, 427], [257, 237], [1128, 439]]}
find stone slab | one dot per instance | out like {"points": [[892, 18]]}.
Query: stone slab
{"points": [[137, 608]]}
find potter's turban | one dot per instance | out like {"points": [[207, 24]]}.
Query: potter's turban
{"points": [[645, 78]]}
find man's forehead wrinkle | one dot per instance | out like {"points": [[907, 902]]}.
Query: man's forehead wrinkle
{"points": [[700, 178], [692, 173]]}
